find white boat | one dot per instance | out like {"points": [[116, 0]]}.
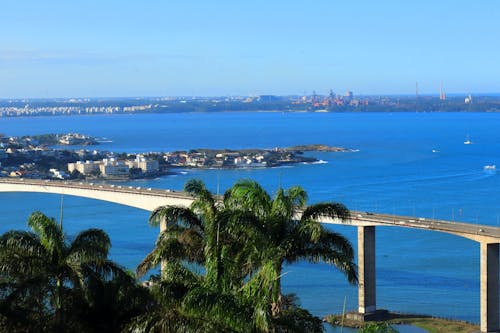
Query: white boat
{"points": [[467, 141], [490, 169]]}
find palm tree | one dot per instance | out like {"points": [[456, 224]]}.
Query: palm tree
{"points": [[289, 232], [242, 242], [204, 237], [44, 263], [208, 234]]}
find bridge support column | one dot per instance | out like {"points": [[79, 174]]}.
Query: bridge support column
{"points": [[489, 287], [366, 270], [163, 227]]}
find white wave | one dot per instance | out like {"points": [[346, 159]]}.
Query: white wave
{"points": [[320, 162]]}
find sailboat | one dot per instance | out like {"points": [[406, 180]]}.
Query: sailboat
{"points": [[467, 140]]}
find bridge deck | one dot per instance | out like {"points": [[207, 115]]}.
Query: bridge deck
{"points": [[477, 232], [149, 199]]}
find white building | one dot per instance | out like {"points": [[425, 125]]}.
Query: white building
{"points": [[114, 169], [85, 168], [58, 174], [146, 165]]}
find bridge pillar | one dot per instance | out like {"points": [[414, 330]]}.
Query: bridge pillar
{"points": [[489, 287], [163, 227], [366, 270]]}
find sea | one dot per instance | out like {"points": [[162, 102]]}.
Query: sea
{"points": [[414, 164]]}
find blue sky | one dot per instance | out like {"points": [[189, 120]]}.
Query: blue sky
{"points": [[166, 48]]}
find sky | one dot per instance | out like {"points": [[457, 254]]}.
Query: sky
{"points": [[108, 48]]}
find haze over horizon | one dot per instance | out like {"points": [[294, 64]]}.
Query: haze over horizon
{"points": [[57, 49]]}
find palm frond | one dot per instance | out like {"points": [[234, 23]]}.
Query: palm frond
{"points": [[248, 195], [331, 248], [179, 273], [174, 215], [203, 196], [282, 207], [50, 233], [309, 230], [21, 243], [109, 270], [170, 321], [148, 263], [173, 245], [297, 195], [21, 252], [326, 209], [90, 245], [224, 309]]}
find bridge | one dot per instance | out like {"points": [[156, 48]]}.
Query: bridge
{"points": [[366, 223]]}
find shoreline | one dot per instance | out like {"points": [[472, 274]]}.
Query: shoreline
{"points": [[427, 322]]}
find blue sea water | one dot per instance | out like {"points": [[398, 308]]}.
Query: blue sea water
{"points": [[404, 163]]}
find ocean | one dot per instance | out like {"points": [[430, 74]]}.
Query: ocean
{"points": [[402, 163]]}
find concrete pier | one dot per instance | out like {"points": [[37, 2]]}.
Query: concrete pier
{"points": [[489, 287], [163, 227], [367, 298]]}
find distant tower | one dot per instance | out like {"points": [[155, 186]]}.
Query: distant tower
{"points": [[442, 95]]}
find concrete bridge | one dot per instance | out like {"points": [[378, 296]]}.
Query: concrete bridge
{"points": [[149, 199]]}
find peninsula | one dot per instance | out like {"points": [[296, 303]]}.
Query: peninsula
{"points": [[247, 158], [69, 139], [41, 157]]}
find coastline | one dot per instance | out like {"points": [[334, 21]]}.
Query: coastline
{"points": [[429, 323]]}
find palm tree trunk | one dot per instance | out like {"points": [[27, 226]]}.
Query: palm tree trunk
{"points": [[59, 316], [277, 298]]}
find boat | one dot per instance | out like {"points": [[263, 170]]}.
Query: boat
{"points": [[467, 141], [490, 168]]}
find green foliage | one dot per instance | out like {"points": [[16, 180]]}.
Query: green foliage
{"points": [[75, 174], [45, 139], [287, 238], [222, 260], [51, 284], [378, 328]]}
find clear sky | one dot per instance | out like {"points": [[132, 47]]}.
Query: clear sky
{"points": [[61, 48]]}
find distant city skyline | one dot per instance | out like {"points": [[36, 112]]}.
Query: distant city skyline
{"points": [[114, 48]]}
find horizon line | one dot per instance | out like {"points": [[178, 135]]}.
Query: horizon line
{"points": [[455, 94]]}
